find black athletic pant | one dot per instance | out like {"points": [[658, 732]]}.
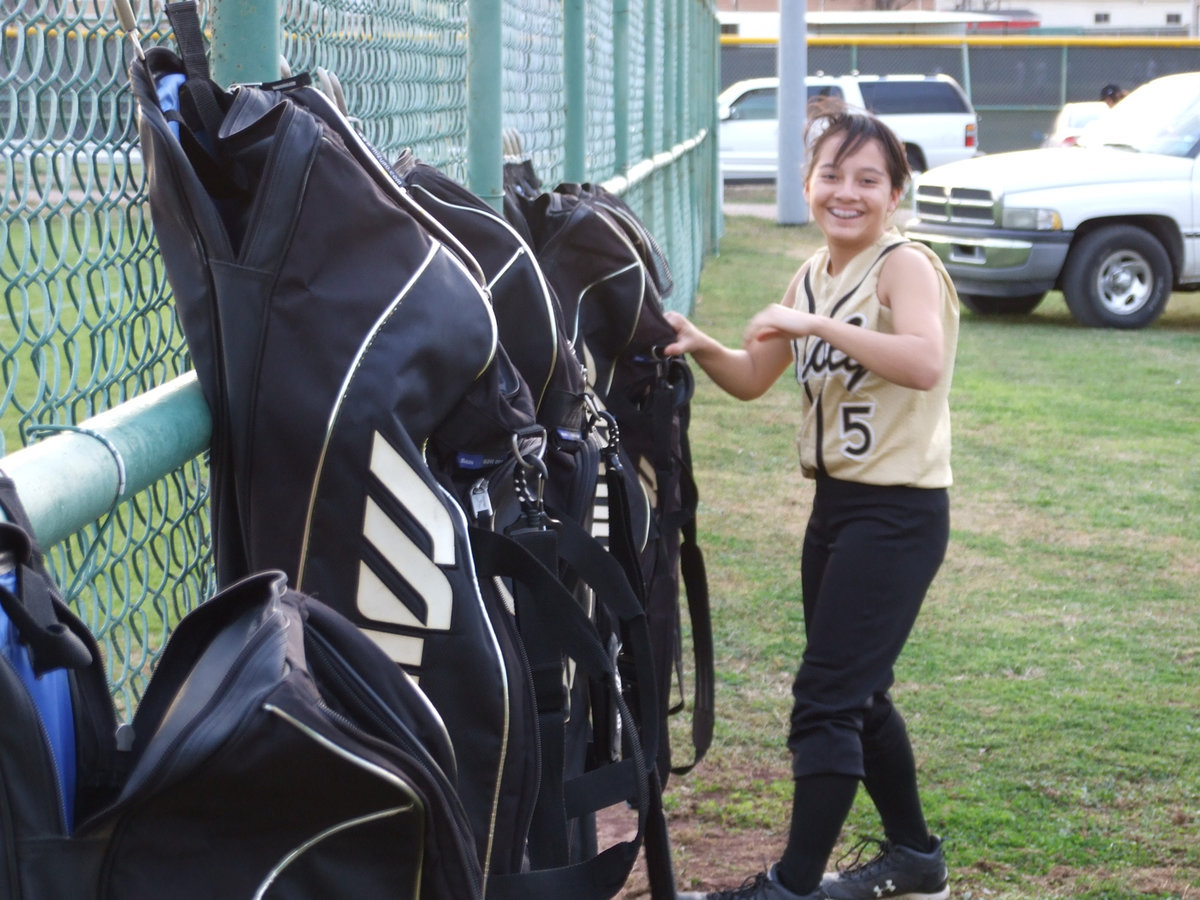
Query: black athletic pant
{"points": [[870, 554]]}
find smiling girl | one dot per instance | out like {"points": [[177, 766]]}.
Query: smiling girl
{"points": [[870, 325]]}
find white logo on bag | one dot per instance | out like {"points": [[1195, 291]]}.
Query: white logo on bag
{"points": [[421, 570]]}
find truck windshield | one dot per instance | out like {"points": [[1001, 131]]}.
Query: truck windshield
{"points": [[1160, 117]]}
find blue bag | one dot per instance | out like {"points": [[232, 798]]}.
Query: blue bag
{"points": [[50, 692], [57, 741]]}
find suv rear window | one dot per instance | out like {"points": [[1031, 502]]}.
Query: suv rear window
{"points": [[762, 103], [903, 97], [825, 90], [756, 104]]}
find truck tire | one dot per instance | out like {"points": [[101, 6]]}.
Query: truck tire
{"points": [[1119, 276], [1001, 306]]}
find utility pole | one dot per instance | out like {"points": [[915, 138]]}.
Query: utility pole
{"points": [[791, 207]]}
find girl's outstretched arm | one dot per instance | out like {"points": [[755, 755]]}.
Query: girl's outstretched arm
{"points": [[745, 373]]}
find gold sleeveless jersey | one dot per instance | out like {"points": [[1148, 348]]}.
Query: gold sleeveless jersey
{"points": [[857, 426]]}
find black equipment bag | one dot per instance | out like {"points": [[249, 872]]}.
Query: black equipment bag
{"points": [[549, 496], [590, 477], [280, 754], [611, 278], [338, 330], [528, 319], [277, 753], [331, 333]]}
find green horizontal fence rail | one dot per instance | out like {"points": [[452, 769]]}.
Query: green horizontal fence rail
{"points": [[81, 476], [104, 428]]}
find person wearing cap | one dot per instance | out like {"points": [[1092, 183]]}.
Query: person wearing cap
{"points": [[1112, 94]]}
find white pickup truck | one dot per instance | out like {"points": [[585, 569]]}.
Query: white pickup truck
{"points": [[1113, 222]]}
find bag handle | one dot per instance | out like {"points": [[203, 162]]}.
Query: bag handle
{"points": [[31, 606], [199, 88]]}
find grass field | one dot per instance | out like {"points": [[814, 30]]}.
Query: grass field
{"points": [[1052, 685]]}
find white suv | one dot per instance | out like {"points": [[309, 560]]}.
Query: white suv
{"points": [[929, 113]]}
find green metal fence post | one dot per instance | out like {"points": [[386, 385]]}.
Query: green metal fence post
{"points": [[669, 74], [651, 75], [245, 41], [717, 217], [1062, 77], [668, 133], [621, 82], [485, 101], [683, 67], [575, 79]]}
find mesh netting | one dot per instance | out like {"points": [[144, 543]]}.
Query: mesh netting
{"points": [[533, 87], [402, 67]]}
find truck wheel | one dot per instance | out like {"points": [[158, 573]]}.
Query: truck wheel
{"points": [[1117, 277], [1001, 306]]}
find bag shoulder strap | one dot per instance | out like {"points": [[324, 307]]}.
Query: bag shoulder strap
{"points": [[562, 620]]}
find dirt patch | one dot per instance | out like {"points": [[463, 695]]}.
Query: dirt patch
{"points": [[706, 859], [703, 858], [1160, 881]]}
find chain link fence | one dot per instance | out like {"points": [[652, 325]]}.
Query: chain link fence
{"points": [[1017, 85], [89, 324], [88, 320]]}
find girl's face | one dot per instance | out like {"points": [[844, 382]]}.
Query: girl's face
{"points": [[851, 201]]}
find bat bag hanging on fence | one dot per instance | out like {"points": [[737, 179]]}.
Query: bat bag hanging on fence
{"points": [[611, 278], [336, 328], [594, 506], [276, 754]]}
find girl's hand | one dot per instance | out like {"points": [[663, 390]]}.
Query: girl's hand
{"points": [[687, 336], [777, 322]]}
